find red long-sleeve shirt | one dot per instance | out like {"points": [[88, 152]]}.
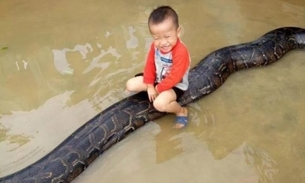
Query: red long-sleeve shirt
{"points": [[167, 69]]}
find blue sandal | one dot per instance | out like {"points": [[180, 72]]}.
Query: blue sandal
{"points": [[181, 120]]}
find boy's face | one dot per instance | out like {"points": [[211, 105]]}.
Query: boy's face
{"points": [[165, 34]]}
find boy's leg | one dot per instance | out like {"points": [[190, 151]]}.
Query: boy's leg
{"points": [[136, 84], [166, 102]]}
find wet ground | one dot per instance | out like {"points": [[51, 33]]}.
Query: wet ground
{"points": [[62, 62]]}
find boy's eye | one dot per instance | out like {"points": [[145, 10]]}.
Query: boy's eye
{"points": [[156, 38]]}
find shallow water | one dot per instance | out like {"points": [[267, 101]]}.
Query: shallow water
{"points": [[61, 63]]}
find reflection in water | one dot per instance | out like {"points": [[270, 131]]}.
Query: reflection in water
{"points": [[60, 58], [262, 163], [168, 143], [36, 126], [103, 65], [62, 65], [133, 40], [83, 76], [17, 139], [24, 64]]}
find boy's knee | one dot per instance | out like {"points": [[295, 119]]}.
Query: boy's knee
{"points": [[159, 105], [129, 85], [135, 84]]}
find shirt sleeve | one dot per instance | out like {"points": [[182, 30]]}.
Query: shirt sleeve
{"points": [[181, 62], [149, 74]]}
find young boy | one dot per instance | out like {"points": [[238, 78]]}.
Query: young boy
{"points": [[165, 76]]}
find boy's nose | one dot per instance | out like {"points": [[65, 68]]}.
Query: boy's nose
{"points": [[163, 42]]}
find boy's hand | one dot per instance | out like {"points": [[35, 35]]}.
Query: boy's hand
{"points": [[152, 93]]}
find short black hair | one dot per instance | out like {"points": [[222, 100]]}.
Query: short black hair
{"points": [[161, 13]]}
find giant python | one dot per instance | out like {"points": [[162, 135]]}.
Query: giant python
{"points": [[80, 149]]}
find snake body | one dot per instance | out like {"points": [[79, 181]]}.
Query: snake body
{"points": [[80, 149]]}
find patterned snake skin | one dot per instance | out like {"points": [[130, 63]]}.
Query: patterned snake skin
{"points": [[79, 150]]}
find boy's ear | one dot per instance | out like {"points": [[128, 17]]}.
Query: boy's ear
{"points": [[179, 31]]}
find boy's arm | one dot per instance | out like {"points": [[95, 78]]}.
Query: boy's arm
{"points": [[181, 62], [149, 74]]}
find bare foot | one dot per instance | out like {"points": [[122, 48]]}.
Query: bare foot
{"points": [[128, 93]]}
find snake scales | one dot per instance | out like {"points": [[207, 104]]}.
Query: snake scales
{"points": [[79, 150]]}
